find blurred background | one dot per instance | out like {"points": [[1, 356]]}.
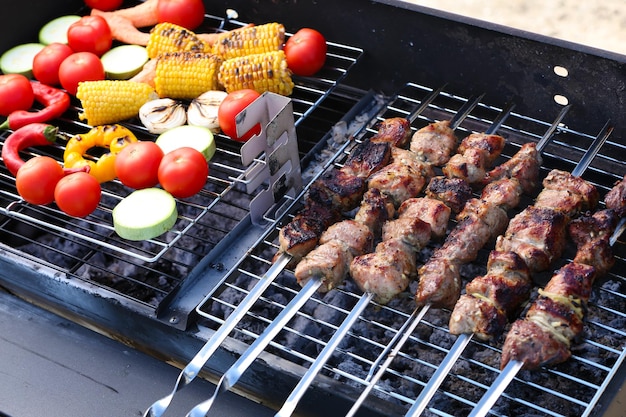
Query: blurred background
{"points": [[600, 24]]}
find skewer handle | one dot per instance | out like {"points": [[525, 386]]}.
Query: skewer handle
{"points": [[496, 389]]}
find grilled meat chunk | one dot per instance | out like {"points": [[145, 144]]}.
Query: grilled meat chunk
{"points": [[411, 230], [504, 193], [357, 236], [376, 208], [439, 283], [489, 299], [537, 235], [338, 189], [394, 130], [330, 262], [564, 192], [553, 321], [591, 233], [331, 259], [399, 181], [387, 271], [367, 158], [523, 166], [615, 199], [454, 192], [432, 211], [434, 143], [475, 154]]}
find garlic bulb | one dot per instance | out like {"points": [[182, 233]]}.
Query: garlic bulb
{"points": [[162, 114], [203, 110]]}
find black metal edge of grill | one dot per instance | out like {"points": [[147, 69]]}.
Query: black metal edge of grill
{"points": [[433, 47]]}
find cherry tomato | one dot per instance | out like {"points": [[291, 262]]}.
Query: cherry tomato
{"points": [[37, 178], [183, 172], [104, 5], [137, 165], [230, 107], [305, 52], [47, 62], [78, 194], [90, 34], [16, 93], [80, 66], [186, 13]]}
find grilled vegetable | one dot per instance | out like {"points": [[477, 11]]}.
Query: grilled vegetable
{"points": [[186, 75], [162, 114], [168, 37], [34, 134], [260, 72], [199, 138], [19, 59], [56, 29], [145, 214], [250, 40], [56, 102], [111, 101], [203, 110], [124, 61]]}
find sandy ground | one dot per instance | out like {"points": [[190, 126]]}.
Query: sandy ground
{"points": [[600, 24]]}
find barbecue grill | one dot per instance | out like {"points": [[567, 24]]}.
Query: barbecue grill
{"points": [[170, 295]]}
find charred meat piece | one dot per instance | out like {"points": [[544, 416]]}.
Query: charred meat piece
{"points": [[338, 189], [591, 234], [399, 181], [523, 166], [367, 158], [489, 299], [454, 192], [432, 211], [553, 321], [504, 193], [375, 209], [394, 130], [387, 271], [615, 199], [475, 155], [331, 259], [567, 193], [434, 143], [302, 234], [411, 230], [439, 283], [537, 235]]}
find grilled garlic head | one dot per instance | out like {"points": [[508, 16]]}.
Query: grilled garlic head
{"points": [[203, 110], [162, 114]]}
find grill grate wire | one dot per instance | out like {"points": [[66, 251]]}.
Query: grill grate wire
{"points": [[570, 389]]}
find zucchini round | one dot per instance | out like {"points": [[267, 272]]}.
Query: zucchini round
{"points": [[145, 214]]}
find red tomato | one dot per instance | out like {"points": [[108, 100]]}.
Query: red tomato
{"points": [[305, 52], [183, 172], [137, 165], [78, 194], [80, 66], [16, 93], [186, 13], [36, 179], [47, 62], [90, 34], [230, 107], [105, 5]]}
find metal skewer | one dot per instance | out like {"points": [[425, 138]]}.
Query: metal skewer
{"points": [[512, 368], [463, 340], [292, 401], [192, 369]]}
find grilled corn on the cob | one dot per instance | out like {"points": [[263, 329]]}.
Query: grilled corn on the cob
{"points": [[169, 37], [260, 72], [186, 75], [111, 101], [250, 40]]}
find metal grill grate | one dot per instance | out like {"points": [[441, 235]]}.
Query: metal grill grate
{"points": [[147, 271], [569, 389]]}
